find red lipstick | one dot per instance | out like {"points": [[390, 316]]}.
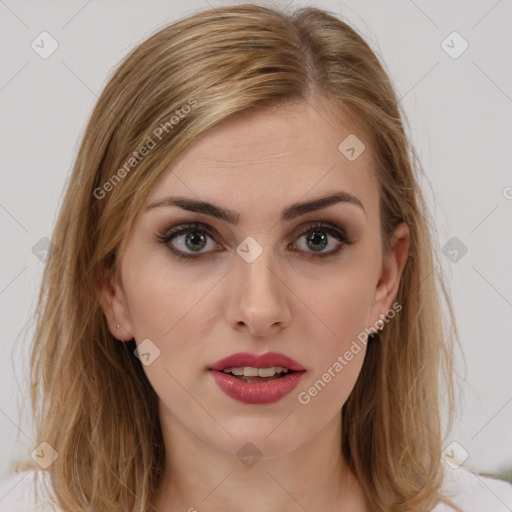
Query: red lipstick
{"points": [[266, 360], [262, 392]]}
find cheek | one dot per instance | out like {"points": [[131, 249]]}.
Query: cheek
{"points": [[340, 309], [163, 305], [161, 299], [337, 322], [168, 307], [338, 359]]}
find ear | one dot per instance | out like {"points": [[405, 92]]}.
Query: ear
{"points": [[389, 280], [113, 303]]}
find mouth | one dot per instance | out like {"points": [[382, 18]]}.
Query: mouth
{"points": [[257, 378], [253, 385], [252, 375]]}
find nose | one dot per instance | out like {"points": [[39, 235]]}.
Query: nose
{"points": [[259, 299]]}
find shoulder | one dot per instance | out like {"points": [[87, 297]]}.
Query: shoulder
{"points": [[475, 493], [18, 493]]}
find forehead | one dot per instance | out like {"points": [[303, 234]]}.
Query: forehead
{"points": [[273, 156]]}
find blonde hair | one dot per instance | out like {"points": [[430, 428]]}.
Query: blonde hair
{"points": [[90, 396]]}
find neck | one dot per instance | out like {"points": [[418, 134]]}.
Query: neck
{"points": [[199, 476]]}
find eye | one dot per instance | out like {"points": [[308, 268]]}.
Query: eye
{"points": [[192, 237], [190, 241], [317, 238]]}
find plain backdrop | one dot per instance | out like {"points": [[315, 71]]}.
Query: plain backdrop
{"points": [[458, 102]]}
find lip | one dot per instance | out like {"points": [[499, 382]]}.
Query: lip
{"points": [[267, 360], [257, 392]]}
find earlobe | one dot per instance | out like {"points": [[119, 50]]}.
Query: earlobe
{"points": [[113, 304]]}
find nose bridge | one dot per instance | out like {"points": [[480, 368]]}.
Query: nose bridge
{"points": [[259, 277], [260, 298]]}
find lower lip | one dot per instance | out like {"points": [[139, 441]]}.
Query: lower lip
{"points": [[256, 392]]}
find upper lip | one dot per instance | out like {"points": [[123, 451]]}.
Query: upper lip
{"points": [[267, 360]]}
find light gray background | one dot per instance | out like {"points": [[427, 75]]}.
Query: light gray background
{"points": [[459, 112]]}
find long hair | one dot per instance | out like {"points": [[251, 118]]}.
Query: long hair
{"points": [[90, 397]]}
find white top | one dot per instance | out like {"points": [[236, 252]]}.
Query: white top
{"points": [[471, 492]]}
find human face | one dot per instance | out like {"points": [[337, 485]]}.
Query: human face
{"points": [[200, 309]]}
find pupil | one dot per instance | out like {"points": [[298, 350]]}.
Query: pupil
{"points": [[315, 237], [199, 239]]}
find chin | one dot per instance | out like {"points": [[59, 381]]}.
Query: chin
{"points": [[267, 437]]}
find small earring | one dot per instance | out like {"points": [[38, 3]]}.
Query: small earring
{"points": [[118, 326]]}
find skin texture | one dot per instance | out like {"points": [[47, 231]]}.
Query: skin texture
{"points": [[198, 312]]}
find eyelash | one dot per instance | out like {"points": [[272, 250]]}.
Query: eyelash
{"points": [[199, 227]]}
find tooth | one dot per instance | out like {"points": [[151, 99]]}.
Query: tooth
{"points": [[266, 372], [249, 371]]}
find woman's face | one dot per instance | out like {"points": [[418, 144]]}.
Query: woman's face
{"points": [[257, 280]]}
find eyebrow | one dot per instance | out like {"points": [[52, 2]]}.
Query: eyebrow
{"points": [[231, 216]]}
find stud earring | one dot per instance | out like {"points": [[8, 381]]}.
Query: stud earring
{"points": [[118, 326]]}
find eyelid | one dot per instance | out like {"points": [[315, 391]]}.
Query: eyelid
{"points": [[178, 227], [183, 227]]}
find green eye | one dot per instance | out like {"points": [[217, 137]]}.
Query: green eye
{"points": [[193, 238]]}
